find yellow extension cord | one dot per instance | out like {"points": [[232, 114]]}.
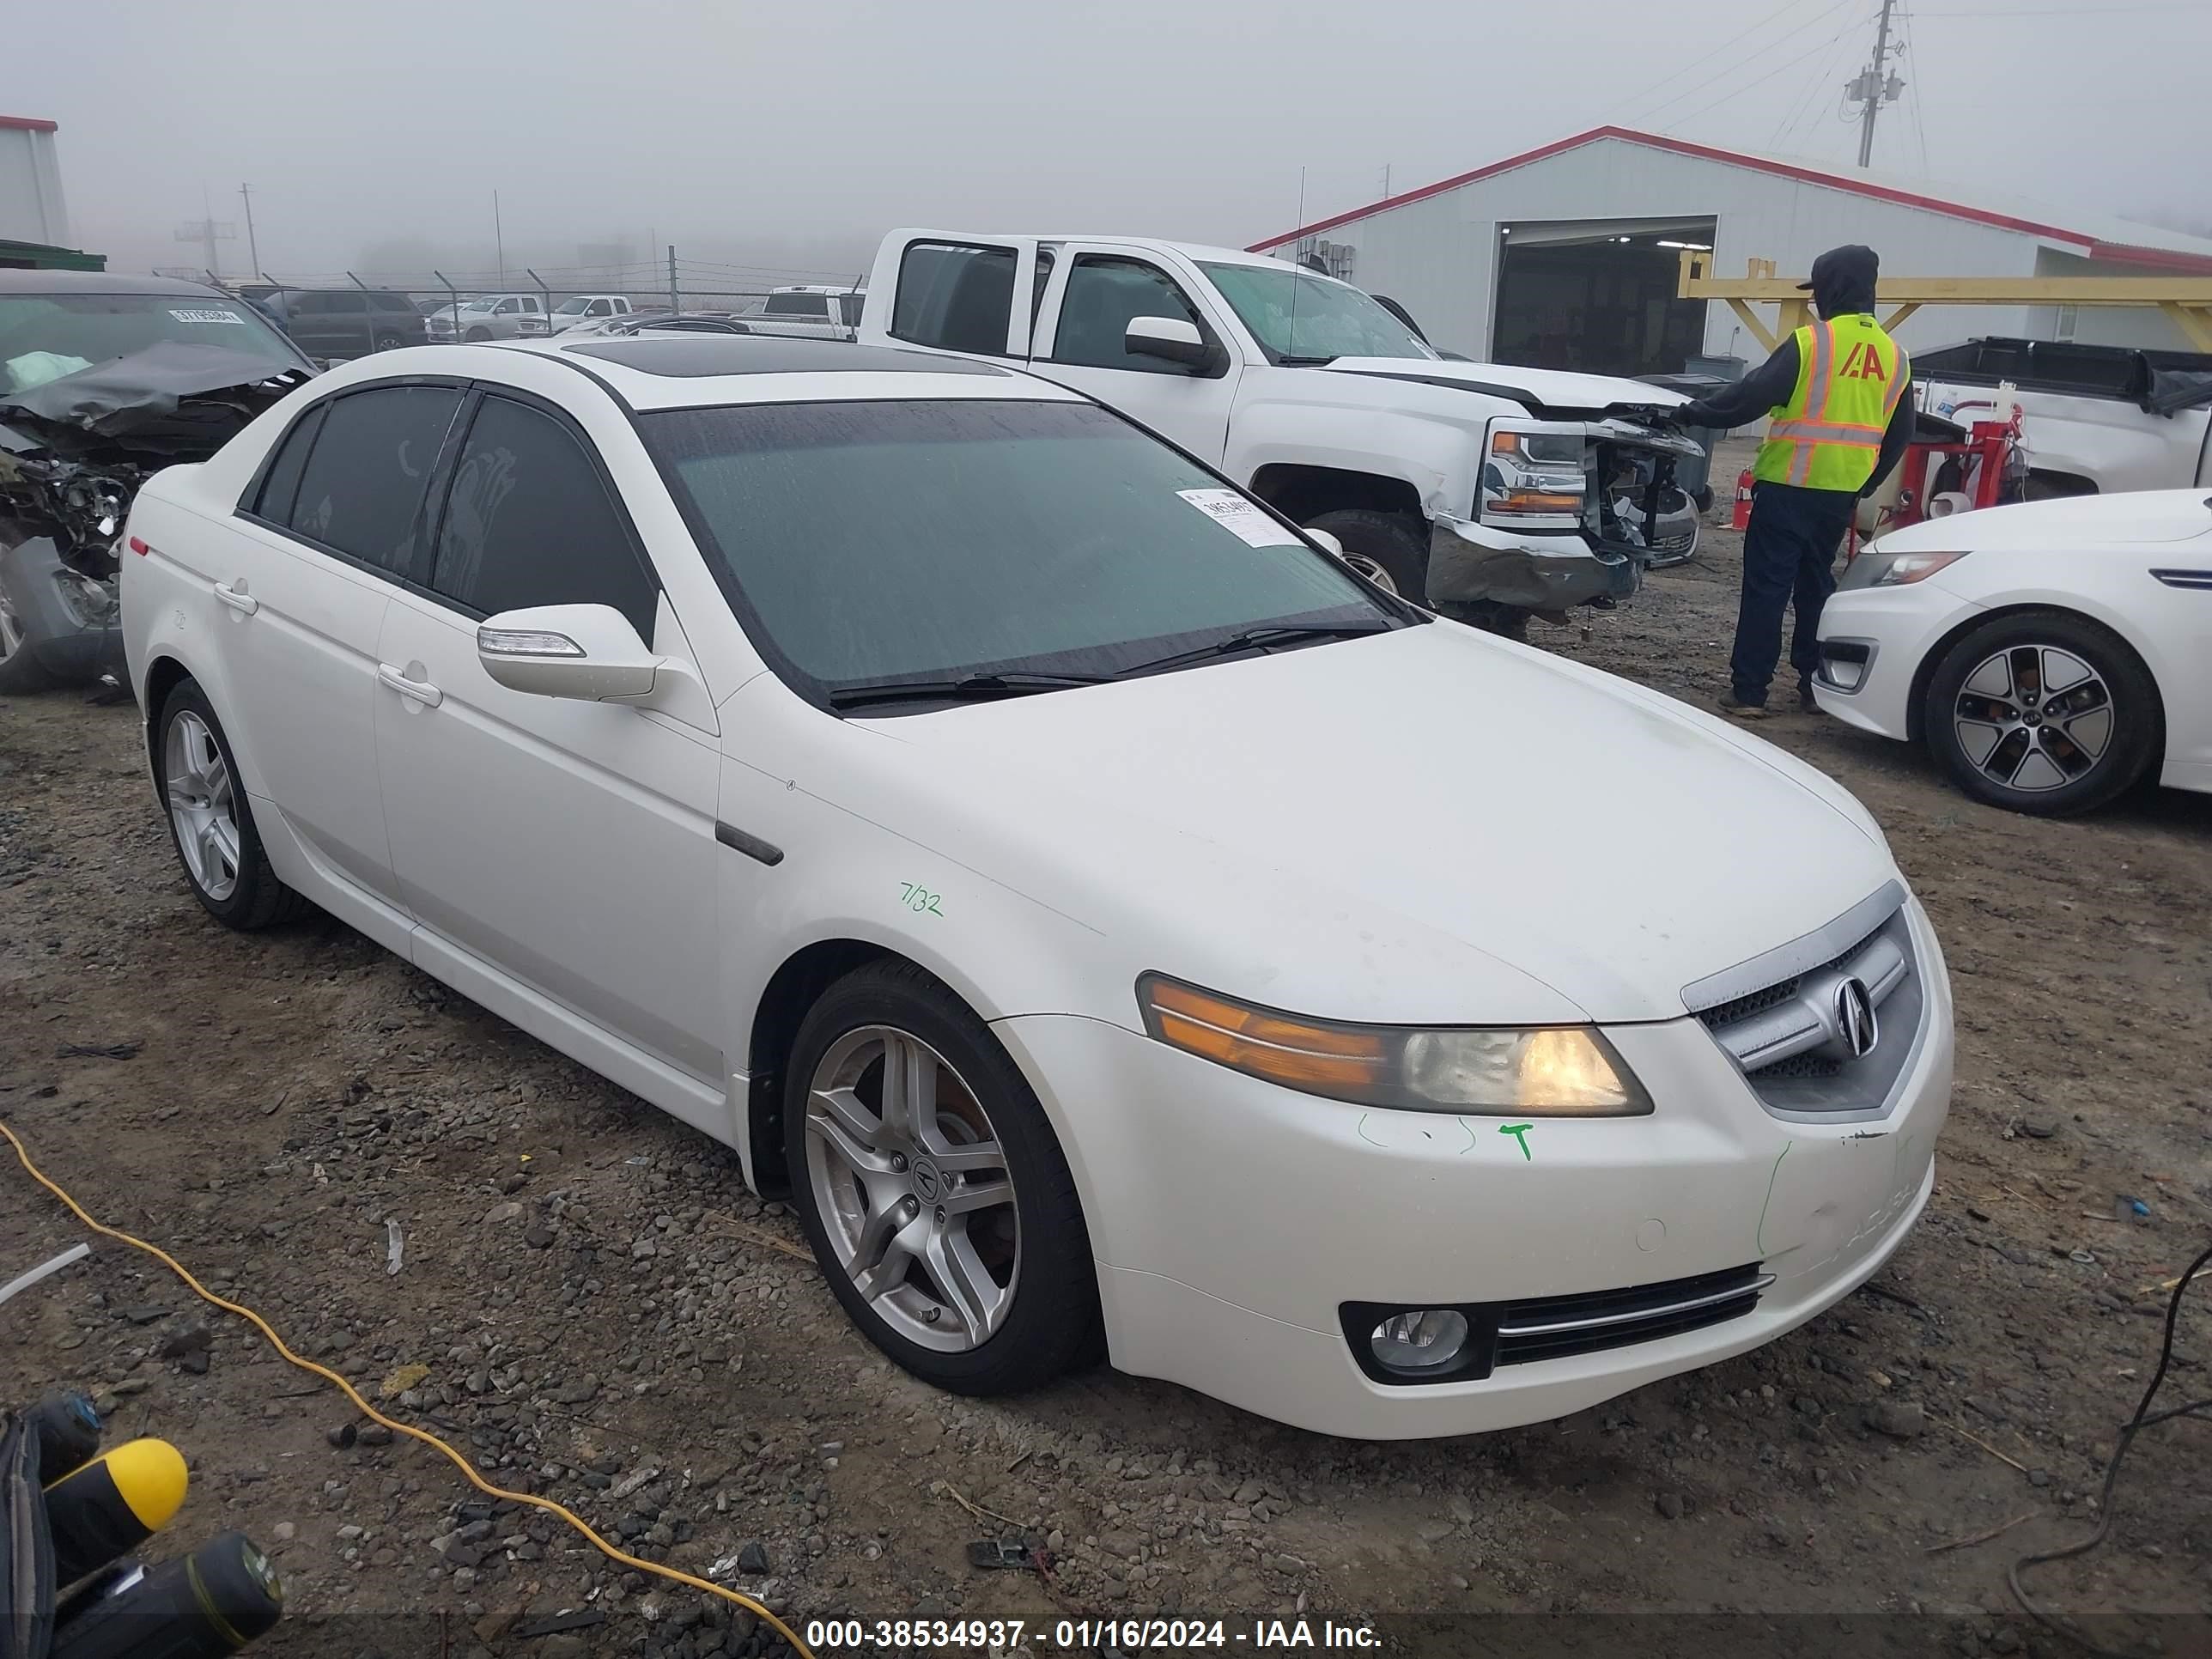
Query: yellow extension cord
{"points": [[545, 1504]]}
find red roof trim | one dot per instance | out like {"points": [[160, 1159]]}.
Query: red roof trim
{"points": [[2088, 244], [27, 124], [2165, 259]]}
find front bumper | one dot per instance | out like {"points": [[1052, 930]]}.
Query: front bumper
{"points": [[56, 636], [1896, 630], [1232, 1220], [1473, 563]]}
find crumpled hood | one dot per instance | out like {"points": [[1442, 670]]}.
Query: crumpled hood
{"points": [[128, 395], [1556, 390], [1427, 826]]}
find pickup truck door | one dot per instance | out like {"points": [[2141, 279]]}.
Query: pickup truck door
{"points": [[1094, 292], [969, 296]]}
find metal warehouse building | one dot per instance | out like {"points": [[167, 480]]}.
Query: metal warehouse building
{"points": [[1567, 257]]}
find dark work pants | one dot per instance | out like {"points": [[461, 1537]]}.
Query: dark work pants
{"points": [[1789, 558]]}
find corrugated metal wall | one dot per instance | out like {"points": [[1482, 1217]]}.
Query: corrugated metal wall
{"points": [[1439, 256]]}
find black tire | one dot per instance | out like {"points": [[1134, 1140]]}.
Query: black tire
{"points": [[478, 334], [2036, 742], [388, 342], [1055, 1311], [1386, 542], [21, 672], [258, 899]]}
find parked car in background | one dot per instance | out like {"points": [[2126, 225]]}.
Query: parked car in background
{"points": [[2095, 420], [2051, 654], [579, 309], [340, 323], [489, 317], [809, 311], [1034, 999], [1495, 491], [105, 379]]}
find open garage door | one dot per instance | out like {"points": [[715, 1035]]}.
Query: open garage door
{"points": [[1597, 295]]}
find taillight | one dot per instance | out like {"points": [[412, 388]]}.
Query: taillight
{"points": [[138, 545]]}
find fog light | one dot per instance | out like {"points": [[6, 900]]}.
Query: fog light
{"points": [[1422, 1340], [1845, 663]]}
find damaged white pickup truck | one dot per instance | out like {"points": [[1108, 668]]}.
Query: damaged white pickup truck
{"points": [[1489, 491]]}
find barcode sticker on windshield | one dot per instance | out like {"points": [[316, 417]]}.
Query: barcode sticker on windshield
{"points": [[1242, 519], [205, 314]]}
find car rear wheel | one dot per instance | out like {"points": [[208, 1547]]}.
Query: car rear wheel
{"points": [[932, 1189], [2043, 712], [390, 342], [209, 820], [478, 334], [1382, 547]]}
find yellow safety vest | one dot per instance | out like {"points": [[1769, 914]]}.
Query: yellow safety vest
{"points": [[1849, 375]]}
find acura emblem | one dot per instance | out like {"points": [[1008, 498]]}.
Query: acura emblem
{"points": [[1855, 1025]]}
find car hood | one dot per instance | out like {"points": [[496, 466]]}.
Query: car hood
{"points": [[1552, 388], [2085, 524], [1429, 826]]}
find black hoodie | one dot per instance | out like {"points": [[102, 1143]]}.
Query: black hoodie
{"points": [[1843, 285]]}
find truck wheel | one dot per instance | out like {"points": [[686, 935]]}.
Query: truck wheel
{"points": [[478, 334], [20, 670], [1383, 547]]}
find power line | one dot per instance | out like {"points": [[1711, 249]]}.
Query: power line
{"points": [[2069, 11], [1914, 103], [1735, 44], [1784, 69], [1743, 64], [1801, 114]]}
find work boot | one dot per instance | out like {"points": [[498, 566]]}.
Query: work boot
{"points": [[1728, 703]]}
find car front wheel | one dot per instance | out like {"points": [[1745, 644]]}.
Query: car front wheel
{"points": [[210, 819], [1383, 547], [932, 1189], [2043, 712]]}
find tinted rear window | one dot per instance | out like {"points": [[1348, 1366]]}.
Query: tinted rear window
{"points": [[362, 486]]}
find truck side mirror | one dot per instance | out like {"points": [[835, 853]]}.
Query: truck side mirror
{"points": [[1167, 338]]}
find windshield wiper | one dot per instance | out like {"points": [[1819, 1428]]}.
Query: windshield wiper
{"points": [[1257, 639], [965, 688]]}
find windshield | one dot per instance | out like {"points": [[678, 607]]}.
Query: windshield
{"points": [[572, 307], [1298, 317], [44, 337], [864, 543]]}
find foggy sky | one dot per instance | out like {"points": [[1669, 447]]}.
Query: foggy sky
{"points": [[793, 135]]}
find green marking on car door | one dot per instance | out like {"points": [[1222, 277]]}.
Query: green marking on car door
{"points": [[1520, 1134]]}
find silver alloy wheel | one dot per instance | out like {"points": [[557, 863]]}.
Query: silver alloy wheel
{"points": [[2033, 718], [912, 1188], [1374, 571], [11, 628], [201, 805]]}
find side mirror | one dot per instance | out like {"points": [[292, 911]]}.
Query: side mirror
{"points": [[1327, 541], [589, 653], [1167, 338]]}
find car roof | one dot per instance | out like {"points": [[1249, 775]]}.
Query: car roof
{"points": [[97, 282], [687, 371]]}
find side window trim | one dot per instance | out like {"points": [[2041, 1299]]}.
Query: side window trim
{"points": [[316, 411], [442, 490]]}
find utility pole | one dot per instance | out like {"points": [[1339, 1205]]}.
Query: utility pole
{"points": [[674, 304], [253, 248], [1875, 85], [499, 237]]}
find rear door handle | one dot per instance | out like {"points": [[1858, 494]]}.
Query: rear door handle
{"points": [[421, 691], [238, 599]]}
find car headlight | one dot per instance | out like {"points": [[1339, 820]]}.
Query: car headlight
{"points": [[1534, 474], [1552, 1071], [1875, 568]]}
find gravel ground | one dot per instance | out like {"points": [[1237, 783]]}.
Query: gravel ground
{"points": [[590, 1306]]}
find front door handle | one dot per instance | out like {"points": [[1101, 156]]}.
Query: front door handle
{"points": [[238, 599], [420, 691]]}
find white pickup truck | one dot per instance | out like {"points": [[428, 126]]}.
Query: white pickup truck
{"points": [[2095, 420], [806, 311], [1491, 492]]}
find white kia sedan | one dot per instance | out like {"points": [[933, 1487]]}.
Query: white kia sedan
{"points": [[2051, 655], [1104, 916]]}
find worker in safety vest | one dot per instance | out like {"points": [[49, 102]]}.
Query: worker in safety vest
{"points": [[1836, 392]]}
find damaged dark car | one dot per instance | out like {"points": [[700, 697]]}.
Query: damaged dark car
{"points": [[105, 380]]}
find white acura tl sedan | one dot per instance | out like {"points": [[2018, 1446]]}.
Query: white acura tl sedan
{"points": [[2051, 655], [1104, 913]]}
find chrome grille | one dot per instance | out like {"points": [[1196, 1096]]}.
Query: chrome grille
{"points": [[1784, 1017]]}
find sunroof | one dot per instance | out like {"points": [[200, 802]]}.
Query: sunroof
{"points": [[691, 355]]}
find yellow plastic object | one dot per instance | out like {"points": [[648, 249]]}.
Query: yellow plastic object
{"points": [[149, 1475]]}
